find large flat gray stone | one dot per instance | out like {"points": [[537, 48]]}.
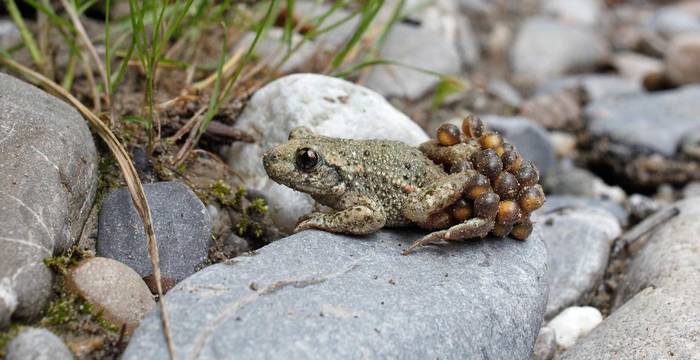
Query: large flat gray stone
{"points": [[655, 123], [48, 179], [315, 295], [661, 319]]}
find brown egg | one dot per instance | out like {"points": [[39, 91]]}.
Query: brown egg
{"points": [[491, 140], [478, 185], [506, 186], [522, 229], [448, 134], [461, 210], [508, 212], [512, 161], [488, 163], [527, 174], [486, 205], [460, 166], [531, 198], [472, 126], [502, 229]]}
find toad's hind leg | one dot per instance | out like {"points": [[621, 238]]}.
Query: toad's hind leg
{"points": [[436, 197], [472, 228]]}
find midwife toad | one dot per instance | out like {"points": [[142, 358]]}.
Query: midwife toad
{"points": [[462, 185]]}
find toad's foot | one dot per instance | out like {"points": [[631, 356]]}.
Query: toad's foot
{"points": [[472, 228]]}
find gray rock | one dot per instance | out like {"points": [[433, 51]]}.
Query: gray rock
{"points": [[48, 165], [317, 295], [505, 92], [682, 59], [529, 138], [9, 34], [584, 12], [557, 202], [37, 344], [272, 48], [671, 20], [545, 345], [578, 242], [637, 67], [181, 222], [327, 105], [116, 291], [660, 321], [567, 179], [636, 121], [594, 86], [467, 42], [427, 49], [545, 49]]}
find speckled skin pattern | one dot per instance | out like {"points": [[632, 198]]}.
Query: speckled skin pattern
{"points": [[376, 183]]}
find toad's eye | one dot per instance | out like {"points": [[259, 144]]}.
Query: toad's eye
{"points": [[307, 159]]}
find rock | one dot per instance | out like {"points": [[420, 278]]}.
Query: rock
{"points": [[329, 106], [628, 120], [660, 298], [593, 86], [467, 43], [181, 222], [669, 21], [638, 67], [584, 12], [573, 323], [272, 48], [682, 59], [529, 138], [545, 345], [691, 190], [427, 50], [564, 144], [37, 344], [556, 202], [9, 34], [317, 295], [49, 166], [567, 179], [578, 241], [545, 49], [505, 92], [559, 110], [114, 289]]}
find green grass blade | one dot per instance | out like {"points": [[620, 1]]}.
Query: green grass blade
{"points": [[369, 12], [26, 35]]}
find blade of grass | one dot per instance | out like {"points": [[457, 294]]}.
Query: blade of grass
{"points": [[289, 24], [369, 12], [128, 171], [26, 35]]}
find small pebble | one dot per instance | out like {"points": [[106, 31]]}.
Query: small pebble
{"points": [[573, 323]]}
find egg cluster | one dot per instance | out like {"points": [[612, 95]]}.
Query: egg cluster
{"points": [[504, 190]]}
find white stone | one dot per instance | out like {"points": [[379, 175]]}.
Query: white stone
{"points": [[573, 323], [327, 105]]}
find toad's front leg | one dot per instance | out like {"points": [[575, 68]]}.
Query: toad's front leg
{"points": [[433, 202], [359, 216]]}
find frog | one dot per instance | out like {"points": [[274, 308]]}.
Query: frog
{"points": [[455, 189]]}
